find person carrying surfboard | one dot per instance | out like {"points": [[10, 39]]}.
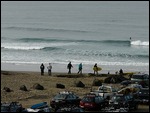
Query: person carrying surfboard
{"points": [[95, 68]]}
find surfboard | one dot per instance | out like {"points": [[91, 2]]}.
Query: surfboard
{"points": [[97, 69]]}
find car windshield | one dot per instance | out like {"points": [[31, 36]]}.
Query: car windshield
{"points": [[107, 89], [88, 99], [138, 76], [118, 98], [60, 96]]}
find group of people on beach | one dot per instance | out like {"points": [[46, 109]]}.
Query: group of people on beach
{"points": [[70, 66], [49, 67]]}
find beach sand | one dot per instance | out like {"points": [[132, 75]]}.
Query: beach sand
{"points": [[14, 79]]}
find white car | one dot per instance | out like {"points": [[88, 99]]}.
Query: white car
{"points": [[105, 91]]}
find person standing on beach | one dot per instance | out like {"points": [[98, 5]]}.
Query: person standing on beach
{"points": [[42, 67], [69, 66], [49, 69], [121, 72], [80, 68], [95, 69]]}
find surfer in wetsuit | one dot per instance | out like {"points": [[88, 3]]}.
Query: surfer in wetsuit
{"points": [[95, 69]]}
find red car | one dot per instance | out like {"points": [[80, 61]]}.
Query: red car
{"points": [[92, 102]]}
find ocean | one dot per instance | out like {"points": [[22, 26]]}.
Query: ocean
{"points": [[88, 32]]}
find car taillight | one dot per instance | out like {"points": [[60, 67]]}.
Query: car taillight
{"points": [[81, 102]]}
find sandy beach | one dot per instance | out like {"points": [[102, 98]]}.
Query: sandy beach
{"points": [[14, 79]]}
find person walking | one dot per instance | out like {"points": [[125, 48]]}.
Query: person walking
{"points": [[95, 69], [42, 67], [49, 69], [80, 68], [69, 66]]}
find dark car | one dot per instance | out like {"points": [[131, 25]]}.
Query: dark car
{"points": [[92, 102], [126, 82], [124, 101], [64, 99], [143, 95], [11, 107], [140, 78]]}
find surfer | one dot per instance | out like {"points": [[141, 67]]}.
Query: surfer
{"points": [[95, 69]]}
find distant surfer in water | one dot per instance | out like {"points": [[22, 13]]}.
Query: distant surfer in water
{"points": [[130, 40]]}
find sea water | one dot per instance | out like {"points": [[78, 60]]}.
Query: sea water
{"points": [[88, 32]]}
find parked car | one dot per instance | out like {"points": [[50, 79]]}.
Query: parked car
{"points": [[134, 88], [124, 101], [126, 82], [92, 102], [11, 107], [64, 99], [143, 95], [105, 91], [39, 107], [140, 78]]}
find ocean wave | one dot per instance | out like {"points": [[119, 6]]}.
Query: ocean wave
{"points": [[45, 29], [104, 54], [109, 42], [127, 42], [30, 48]]}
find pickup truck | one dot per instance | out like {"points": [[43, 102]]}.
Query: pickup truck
{"points": [[105, 91]]}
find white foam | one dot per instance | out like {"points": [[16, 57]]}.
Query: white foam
{"points": [[140, 43]]}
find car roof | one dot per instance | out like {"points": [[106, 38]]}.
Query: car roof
{"points": [[119, 95], [66, 92], [141, 74], [144, 88]]}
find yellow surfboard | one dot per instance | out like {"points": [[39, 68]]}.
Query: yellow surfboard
{"points": [[97, 69]]}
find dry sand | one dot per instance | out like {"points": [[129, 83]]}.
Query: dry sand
{"points": [[14, 79]]}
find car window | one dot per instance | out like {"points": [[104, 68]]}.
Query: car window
{"points": [[88, 99], [97, 100], [60, 96], [138, 76], [70, 97], [74, 96], [128, 97], [101, 98], [113, 90]]}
